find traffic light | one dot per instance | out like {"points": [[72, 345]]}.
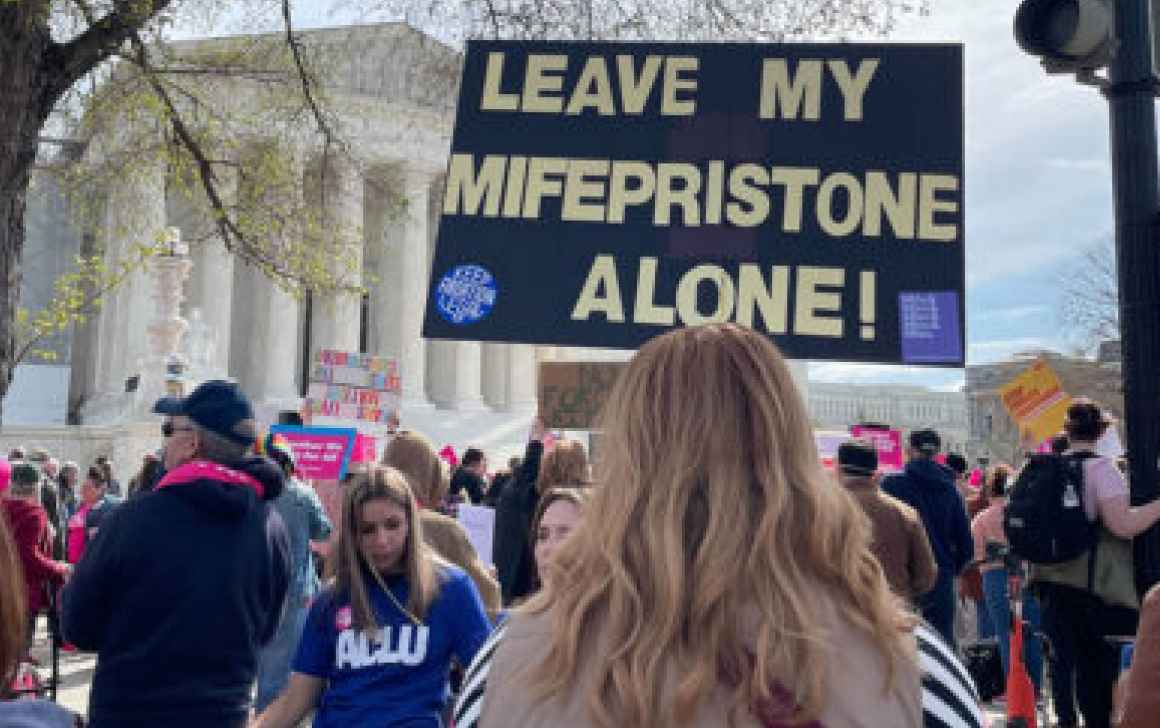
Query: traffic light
{"points": [[1071, 36]]}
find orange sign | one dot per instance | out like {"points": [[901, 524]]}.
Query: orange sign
{"points": [[1036, 401]]}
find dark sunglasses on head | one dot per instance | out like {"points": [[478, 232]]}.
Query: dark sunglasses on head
{"points": [[167, 429]]}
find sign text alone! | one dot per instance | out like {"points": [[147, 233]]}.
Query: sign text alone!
{"points": [[598, 194]]}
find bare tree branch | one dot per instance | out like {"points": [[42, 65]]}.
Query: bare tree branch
{"points": [[102, 39], [1089, 296]]}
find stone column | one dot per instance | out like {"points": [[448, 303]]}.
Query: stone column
{"points": [[266, 349], [212, 282], [135, 215], [276, 356], [523, 378], [496, 368], [458, 364], [383, 236], [143, 211], [336, 187], [414, 270]]}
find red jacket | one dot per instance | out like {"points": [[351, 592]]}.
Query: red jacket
{"points": [[29, 525]]}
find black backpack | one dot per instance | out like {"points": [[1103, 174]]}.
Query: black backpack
{"points": [[1045, 520]]}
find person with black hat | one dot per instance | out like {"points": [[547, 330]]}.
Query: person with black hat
{"points": [[929, 488], [900, 541], [179, 589]]}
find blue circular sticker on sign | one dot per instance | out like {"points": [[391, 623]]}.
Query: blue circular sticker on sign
{"points": [[466, 294]]}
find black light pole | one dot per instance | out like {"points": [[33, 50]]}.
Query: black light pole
{"points": [[1131, 98], [1083, 37]]}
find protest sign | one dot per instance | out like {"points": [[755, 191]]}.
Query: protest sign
{"points": [[479, 522], [887, 441], [1036, 402], [572, 393], [320, 453], [599, 194], [353, 386]]}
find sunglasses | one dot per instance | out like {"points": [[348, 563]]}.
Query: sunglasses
{"points": [[167, 429]]}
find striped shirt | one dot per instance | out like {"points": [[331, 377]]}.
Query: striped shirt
{"points": [[949, 698]]}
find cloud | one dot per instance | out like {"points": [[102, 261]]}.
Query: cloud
{"points": [[1037, 176], [1083, 165], [1011, 314], [947, 380], [987, 352]]}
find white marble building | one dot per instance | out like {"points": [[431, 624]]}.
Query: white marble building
{"points": [[837, 406], [401, 119], [395, 91]]}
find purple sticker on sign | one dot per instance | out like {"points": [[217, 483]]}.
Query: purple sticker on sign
{"points": [[930, 327]]}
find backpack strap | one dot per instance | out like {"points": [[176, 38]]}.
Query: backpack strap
{"points": [[1077, 459]]}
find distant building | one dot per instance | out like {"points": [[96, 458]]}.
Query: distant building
{"points": [[1110, 353], [992, 432], [838, 406]]}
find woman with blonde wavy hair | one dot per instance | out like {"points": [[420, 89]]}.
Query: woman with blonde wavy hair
{"points": [[565, 464], [415, 457], [719, 577], [380, 639]]}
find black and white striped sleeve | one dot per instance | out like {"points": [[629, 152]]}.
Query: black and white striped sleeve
{"points": [[470, 703], [949, 698]]}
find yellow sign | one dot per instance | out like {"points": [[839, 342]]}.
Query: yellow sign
{"points": [[1036, 401]]}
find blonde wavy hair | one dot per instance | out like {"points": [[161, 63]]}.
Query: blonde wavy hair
{"points": [[415, 456], [351, 571], [566, 464], [715, 510]]}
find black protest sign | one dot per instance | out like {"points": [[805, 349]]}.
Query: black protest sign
{"points": [[571, 394], [599, 194]]}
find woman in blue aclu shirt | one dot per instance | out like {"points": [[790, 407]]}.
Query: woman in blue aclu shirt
{"points": [[379, 641]]}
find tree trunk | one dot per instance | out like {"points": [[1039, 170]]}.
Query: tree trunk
{"points": [[25, 102]]}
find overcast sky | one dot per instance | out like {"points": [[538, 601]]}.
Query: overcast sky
{"points": [[1038, 189], [1038, 185]]}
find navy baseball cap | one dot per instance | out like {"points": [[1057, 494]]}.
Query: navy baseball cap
{"points": [[218, 406], [926, 441], [858, 457]]}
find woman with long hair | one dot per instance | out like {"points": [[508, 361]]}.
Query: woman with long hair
{"points": [[13, 620], [557, 516], [379, 640], [719, 576], [565, 464], [415, 457]]}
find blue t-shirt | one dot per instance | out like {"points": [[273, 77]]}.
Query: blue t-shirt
{"points": [[399, 676]]}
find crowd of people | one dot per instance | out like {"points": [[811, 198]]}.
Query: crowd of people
{"points": [[706, 570]]}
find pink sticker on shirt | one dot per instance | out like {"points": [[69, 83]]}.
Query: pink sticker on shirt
{"points": [[343, 619]]}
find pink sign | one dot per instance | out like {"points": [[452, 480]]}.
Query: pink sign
{"points": [[888, 442], [365, 449], [320, 453]]}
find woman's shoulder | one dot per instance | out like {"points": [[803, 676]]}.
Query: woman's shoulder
{"points": [[949, 697]]}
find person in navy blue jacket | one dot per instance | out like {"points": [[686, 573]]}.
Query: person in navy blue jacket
{"points": [[929, 488], [181, 587], [380, 639]]}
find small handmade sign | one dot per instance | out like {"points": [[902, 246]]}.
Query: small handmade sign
{"points": [[354, 386], [572, 393]]}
